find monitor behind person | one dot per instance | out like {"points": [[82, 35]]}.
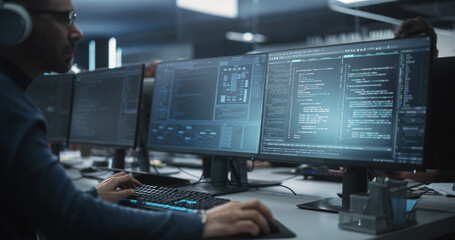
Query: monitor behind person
{"points": [[53, 95], [106, 106], [39, 194]]}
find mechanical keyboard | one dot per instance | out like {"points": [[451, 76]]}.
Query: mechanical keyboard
{"points": [[167, 198]]}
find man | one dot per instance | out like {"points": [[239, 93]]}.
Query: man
{"points": [[36, 192], [418, 27]]}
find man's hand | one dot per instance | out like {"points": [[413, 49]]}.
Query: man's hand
{"points": [[107, 189], [233, 218]]}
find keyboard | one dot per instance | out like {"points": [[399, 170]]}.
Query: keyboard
{"points": [[167, 198]]}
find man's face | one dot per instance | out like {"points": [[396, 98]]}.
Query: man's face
{"points": [[52, 42]]}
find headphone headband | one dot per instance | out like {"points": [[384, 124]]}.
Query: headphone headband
{"points": [[15, 24]]}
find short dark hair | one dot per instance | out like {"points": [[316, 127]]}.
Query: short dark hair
{"points": [[417, 26]]}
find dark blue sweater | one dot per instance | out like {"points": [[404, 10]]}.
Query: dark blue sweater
{"points": [[36, 193]]}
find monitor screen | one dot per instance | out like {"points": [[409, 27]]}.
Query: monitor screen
{"points": [[210, 106], [362, 104], [52, 94], [106, 106]]}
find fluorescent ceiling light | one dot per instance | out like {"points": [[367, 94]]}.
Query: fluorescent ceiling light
{"points": [[246, 37], [363, 2], [75, 69], [112, 52], [222, 8], [351, 1], [92, 55]]}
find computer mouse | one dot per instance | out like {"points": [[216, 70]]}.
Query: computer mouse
{"points": [[274, 228]]}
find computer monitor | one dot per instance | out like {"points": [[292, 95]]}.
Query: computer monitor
{"points": [[361, 105], [52, 94], [106, 106], [209, 107], [144, 119]]}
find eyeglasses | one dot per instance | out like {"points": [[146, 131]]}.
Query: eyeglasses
{"points": [[66, 18]]}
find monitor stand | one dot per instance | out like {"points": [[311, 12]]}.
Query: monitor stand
{"points": [[118, 160], [216, 171], [354, 181]]}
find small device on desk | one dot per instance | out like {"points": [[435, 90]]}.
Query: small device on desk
{"points": [[321, 172]]}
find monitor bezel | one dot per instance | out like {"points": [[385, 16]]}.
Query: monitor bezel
{"points": [[201, 151], [107, 143], [358, 163]]}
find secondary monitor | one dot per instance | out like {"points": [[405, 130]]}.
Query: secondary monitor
{"points": [[106, 106], [209, 106], [52, 94], [362, 104]]}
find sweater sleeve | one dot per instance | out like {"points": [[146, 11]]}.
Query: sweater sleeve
{"points": [[92, 192], [48, 197]]}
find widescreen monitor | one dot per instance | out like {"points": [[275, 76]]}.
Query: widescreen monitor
{"points": [[52, 94], [106, 106], [208, 106], [362, 105]]}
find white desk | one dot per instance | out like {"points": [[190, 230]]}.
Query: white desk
{"points": [[435, 214]]}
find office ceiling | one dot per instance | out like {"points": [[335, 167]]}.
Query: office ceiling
{"points": [[145, 22], [119, 17]]}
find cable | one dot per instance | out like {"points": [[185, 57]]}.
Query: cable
{"points": [[188, 173], [156, 169], [290, 189], [252, 166], [200, 181]]}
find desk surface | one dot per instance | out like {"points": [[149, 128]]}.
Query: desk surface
{"points": [[435, 214]]}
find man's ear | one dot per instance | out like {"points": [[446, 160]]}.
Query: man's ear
{"points": [[15, 24]]}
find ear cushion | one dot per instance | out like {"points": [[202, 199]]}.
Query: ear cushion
{"points": [[15, 24]]}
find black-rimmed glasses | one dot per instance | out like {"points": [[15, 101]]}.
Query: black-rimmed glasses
{"points": [[65, 17]]}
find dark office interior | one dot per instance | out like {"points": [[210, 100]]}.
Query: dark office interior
{"points": [[228, 119]]}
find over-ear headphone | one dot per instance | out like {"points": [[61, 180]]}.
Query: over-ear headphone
{"points": [[15, 24]]}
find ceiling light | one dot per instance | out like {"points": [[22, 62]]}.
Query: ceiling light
{"points": [[112, 52], [246, 37], [75, 69], [351, 1], [362, 2], [221, 8]]}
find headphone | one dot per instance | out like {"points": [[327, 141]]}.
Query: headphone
{"points": [[15, 24]]}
